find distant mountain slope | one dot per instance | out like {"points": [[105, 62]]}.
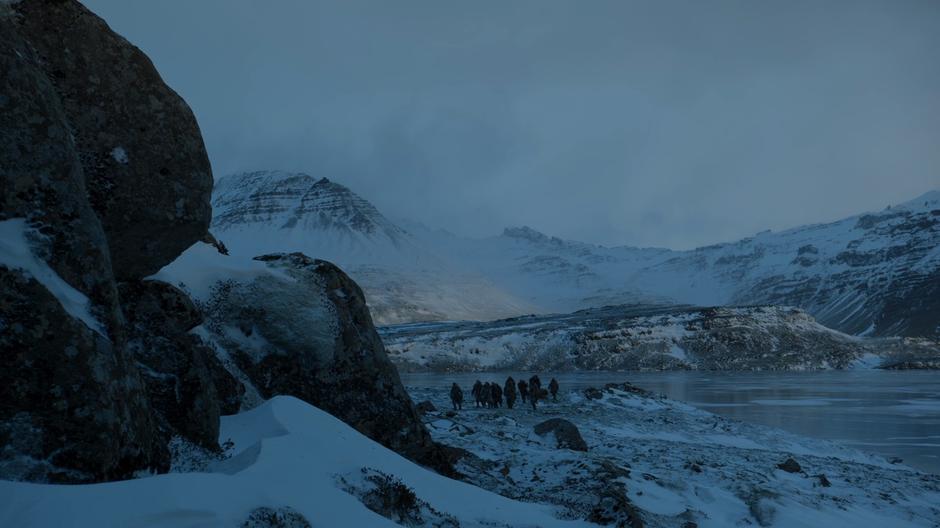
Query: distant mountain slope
{"points": [[628, 338], [274, 211], [872, 274], [639, 337], [272, 208]]}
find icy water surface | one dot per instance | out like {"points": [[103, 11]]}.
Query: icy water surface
{"points": [[891, 413]]}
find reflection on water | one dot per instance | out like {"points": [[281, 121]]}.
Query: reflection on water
{"points": [[895, 414]]}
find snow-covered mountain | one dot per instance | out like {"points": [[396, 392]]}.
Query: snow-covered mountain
{"points": [[271, 210], [871, 274], [404, 280]]}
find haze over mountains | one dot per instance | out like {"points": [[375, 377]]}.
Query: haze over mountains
{"points": [[871, 274]]}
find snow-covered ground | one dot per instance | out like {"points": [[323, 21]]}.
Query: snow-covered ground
{"points": [[289, 457], [649, 460], [677, 464]]}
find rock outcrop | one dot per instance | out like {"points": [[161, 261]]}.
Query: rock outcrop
{"points": [[298, 326], [83, 114], [146, 169], [566, 433], [180, 372], [72, 406], [105, 180]]}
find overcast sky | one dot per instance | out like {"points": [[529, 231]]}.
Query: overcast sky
{"points": [[656, 123]]}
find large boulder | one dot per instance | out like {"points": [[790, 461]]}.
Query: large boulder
{"points": [[72, 407], [146, 170], [41, 178], [566, 433], [180, 372], [102, 167], [301, 327]]}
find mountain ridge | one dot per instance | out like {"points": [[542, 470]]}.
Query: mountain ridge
{"points": [[874, 273]]}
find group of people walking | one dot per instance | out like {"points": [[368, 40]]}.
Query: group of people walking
{"points": [[492, 395]]}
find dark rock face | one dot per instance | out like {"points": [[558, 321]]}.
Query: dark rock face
{"points": [[265, 517], [146, 169], [790, 466], [72, 407], [100, 164], [566, 433], [179, 371], [313, 338], [41, 178]]}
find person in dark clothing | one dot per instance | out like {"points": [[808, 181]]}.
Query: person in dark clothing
{"points": [[535, 390], [456, 397], [497, 395], [486, 394], [509, 390], [477, 393], [553, 388], [523, 390]]}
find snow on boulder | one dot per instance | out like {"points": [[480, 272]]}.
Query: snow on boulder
{"points": [[292, 325]]}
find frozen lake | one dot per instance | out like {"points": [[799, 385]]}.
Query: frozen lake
{"points": [[891, 413]]}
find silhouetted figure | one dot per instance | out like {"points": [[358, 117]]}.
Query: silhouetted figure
{"points": [[535, 390], [497, 396], [509, 390], [456, 397], [476, 392], [486, 394], [523, 390], [553, 388]]}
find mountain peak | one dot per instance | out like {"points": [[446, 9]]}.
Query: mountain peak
{"points": [[286, 200], [525, 233]]}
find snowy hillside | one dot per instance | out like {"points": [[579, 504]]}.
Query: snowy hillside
{"points": [[645, 338], [286, 211], [287, 461], [871, 274]]}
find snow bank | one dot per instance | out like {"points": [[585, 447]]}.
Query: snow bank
{"points": [[286, 453]]}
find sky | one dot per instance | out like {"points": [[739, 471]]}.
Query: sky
{"points": [[648, 123]]}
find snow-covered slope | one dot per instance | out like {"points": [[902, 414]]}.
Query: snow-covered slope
{"points": [[287, 456], [279, 211], [875, 273], [872, 274], [404, 280]]}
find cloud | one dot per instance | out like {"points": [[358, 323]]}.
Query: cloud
{"points": [[646, 123]]}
